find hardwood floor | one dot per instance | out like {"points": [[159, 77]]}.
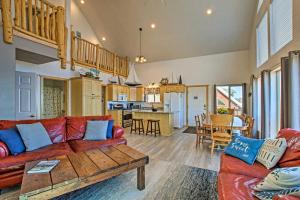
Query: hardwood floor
{"points": [[166, 154], [179, 148]]}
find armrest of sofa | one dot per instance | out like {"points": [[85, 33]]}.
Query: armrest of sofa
{"points": [[286, 197], [3, 150], [118, 132]]}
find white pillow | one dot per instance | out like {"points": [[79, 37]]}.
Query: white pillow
{"points": [[280, 179], [271, 152], [96, 130]]}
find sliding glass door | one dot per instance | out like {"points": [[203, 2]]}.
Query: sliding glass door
{"points": [[230, 96]]}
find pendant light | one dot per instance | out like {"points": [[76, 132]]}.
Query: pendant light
{"points": [[140, 58]]}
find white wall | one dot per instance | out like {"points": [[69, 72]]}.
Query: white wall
{"points": [[226, 68]]}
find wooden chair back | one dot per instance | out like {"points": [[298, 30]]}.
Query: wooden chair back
{"points": [[250, 124], [198, 122], [221, 123], [230, 111]]}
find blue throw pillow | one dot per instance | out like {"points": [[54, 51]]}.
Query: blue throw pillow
{"points": [[246, 149], [13, 140], [110, 126]]}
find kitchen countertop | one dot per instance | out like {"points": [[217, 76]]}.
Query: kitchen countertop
{"points": [[150, 111]]}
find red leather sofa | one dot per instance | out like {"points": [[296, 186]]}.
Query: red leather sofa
{"points": [[236, 178], [66, 134]]}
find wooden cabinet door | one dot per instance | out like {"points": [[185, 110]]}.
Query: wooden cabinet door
{"points": [[140, 96], [96, 106], [87, 87], [96, 88], [133, 92], [87, 105]]}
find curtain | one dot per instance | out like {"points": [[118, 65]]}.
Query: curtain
{"points": [[215, 99], [254, 104], [265, 104], [290, 95], [245, 96]]}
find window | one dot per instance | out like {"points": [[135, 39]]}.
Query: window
{"points": [[281, 24], [230, 96], [275, 102], [153, 98], [262, 45], [260, 2]]}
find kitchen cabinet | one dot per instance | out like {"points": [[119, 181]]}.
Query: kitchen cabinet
{"points": [[177, 88], [117, 116], [114, 90], [137, 93], [86, 97]]}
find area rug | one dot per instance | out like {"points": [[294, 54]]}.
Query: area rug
{"points": [[190, 129], [178, 183]]}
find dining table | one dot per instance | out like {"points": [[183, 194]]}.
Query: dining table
{"points": [[237, 125]]}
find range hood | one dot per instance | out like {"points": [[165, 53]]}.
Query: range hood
{"points": [[132, 79]]}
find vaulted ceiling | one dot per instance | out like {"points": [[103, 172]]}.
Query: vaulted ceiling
{"points": [[183, 29]]}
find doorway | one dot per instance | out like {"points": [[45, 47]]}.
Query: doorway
{"points": [[197, 102], [54, 97], [26, 84]]}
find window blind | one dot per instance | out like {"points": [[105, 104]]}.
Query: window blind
{"points": [[281, 24], [262, 44]]}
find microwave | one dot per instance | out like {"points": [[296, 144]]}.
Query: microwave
{"points": [[122, 97]]}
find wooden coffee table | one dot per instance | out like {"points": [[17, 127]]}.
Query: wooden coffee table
{"points": [[78, 170]]}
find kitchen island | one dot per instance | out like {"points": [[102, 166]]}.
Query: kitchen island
{"points": [[166, 120]]}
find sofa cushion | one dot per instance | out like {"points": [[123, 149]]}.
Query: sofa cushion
{"points": [[34, 136], [271, 152], [291, 157], [13, 140], [76, 126], [268, 195], [233, 165], [43, 153], [3, 150], [235, 186], [96, 130], [84, 145], [110, 127], [280, 179], [56, 128]]}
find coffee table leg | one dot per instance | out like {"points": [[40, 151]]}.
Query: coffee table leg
{"points": [[141, 178]]}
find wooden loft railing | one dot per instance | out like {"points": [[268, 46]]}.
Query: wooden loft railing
{"points": [[92, 55], [38, 19]]}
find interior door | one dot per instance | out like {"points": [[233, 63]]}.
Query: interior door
{"points": [[197, 102], [26, 107]]}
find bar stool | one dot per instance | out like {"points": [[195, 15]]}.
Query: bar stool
{"points": [[137, 126], [150, 129]]}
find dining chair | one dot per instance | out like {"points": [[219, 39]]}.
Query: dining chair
{"points": [[221, 130], [231, 111], [249, 121], [200, 130]]}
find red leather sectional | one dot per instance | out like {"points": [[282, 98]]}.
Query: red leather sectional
{"points": [[66, 134], [236, 178]]}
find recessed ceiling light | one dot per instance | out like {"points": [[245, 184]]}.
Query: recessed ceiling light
{"points": [[103, 38], [82, 1], [153, 26], [208, 11]]}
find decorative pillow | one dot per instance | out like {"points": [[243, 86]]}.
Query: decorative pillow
{"points": [[268, 195], [291, 158], [34, 136], [280, 179], [246, 149], [96, 130], [13, 140], [110, 126], [271, 152]]}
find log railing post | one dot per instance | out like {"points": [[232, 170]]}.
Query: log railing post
{"points": [[17, 13], [30, 15], [23, 15], [42, 18], [98, 56], [7, 21], [60, 25], [73, 50]]}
